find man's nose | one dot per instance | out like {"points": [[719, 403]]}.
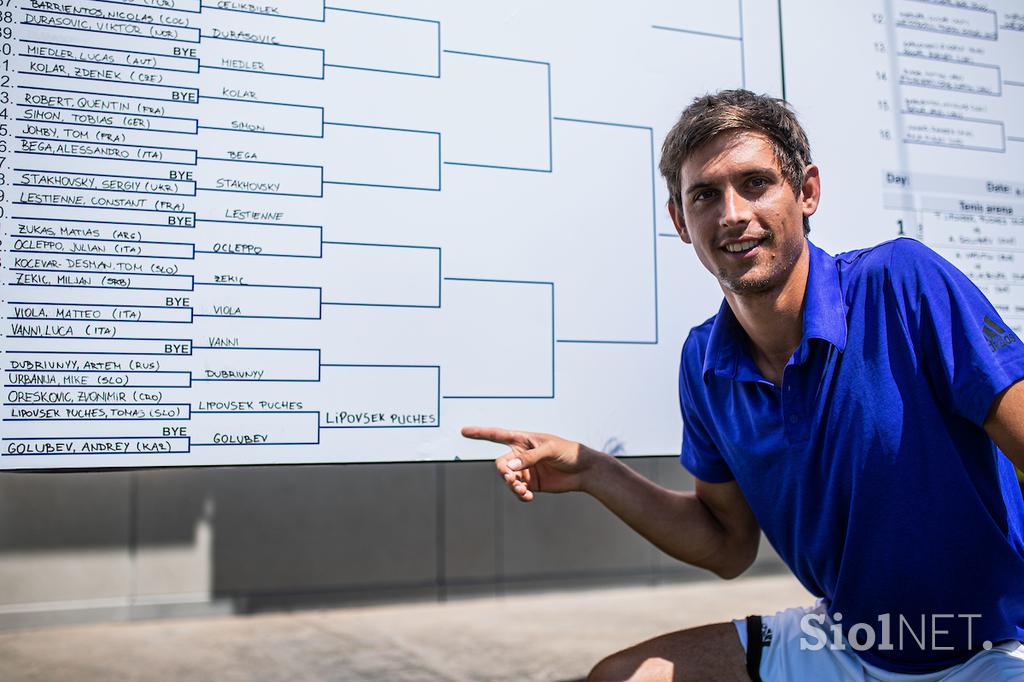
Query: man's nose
{"points": [[735, 208]]}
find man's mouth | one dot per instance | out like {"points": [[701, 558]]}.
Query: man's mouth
{"points": [[745, 245]]}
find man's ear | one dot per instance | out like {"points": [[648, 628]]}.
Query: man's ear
{"points": [[678, 220], [810, 191]]}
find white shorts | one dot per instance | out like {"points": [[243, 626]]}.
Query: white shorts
{"points": [[783, 659]]}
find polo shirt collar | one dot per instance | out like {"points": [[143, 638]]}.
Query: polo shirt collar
{"points": [[825, 310], [824, 318]]}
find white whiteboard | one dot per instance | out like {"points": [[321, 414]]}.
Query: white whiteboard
{"points": [[278, 232], [282, 232]]}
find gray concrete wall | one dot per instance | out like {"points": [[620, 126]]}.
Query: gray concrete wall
{"points": [[107, 546]]}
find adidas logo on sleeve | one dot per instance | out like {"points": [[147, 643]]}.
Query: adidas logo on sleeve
{"points": [[998, 336]]}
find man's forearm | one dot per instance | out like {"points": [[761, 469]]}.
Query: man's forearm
{"points": [[678, 523]]}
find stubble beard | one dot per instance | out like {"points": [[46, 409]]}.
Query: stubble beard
{"points": [[764, 282]]}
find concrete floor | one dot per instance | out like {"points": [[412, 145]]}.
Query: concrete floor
{"points": [[556, 636]]}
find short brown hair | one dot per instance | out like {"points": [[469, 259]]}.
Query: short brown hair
{"points": [[731, 110]]}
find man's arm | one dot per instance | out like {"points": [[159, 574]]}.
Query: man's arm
{"points": [[1005, 423], [712, 528]]}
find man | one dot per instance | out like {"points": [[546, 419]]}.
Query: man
{"points": [[856, 408]]}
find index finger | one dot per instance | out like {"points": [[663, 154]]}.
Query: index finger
{"points": [[496, 435]]}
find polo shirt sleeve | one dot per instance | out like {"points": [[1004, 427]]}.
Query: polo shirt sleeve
{"points": [[700, 456], [968, 352]]}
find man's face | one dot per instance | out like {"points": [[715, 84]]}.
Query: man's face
{"points": [[741, 214]]}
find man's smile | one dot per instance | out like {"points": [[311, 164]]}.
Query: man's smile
{"points": [[744, 247]]}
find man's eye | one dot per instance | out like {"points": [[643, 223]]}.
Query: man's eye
{"points": [[758, 182], [703, 195]]}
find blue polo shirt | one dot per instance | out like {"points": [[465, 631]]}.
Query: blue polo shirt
{"points": [[867, 468]]}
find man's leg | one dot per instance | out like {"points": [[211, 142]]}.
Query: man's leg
{"points": [[710, 653]]}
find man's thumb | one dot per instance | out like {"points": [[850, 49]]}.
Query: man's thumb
{"points": [[527, 458]]}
